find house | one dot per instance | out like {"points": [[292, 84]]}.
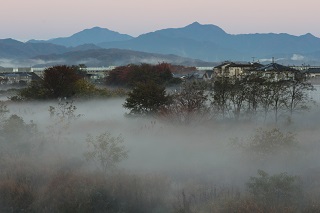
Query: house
{"points": [[232, 69], [17, 77], [277, 72], [313, 73], [180, 76], [203, 75], [208, 75]]}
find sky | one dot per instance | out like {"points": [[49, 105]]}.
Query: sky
{"points": [[44, 19]]}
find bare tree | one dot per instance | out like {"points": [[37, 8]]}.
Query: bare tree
{"points": [[189, 104]]}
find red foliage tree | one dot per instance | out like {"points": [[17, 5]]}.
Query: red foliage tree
{"points": [[132, 74]]}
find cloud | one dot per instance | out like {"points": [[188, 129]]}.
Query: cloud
{"points": [[297, 57], [270, 59]]}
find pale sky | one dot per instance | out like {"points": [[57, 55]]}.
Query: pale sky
{"points": [[44, 19]]}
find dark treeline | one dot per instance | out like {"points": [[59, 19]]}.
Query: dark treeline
{"points": [[249, 97], [256, 96], [63, 81]]}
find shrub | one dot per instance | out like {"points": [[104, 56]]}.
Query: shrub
{"points": [[271, 141], [15, 196], [280, 190], [106, 150], [267, 142]]}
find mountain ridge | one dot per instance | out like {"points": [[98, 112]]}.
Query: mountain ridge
{"points": [[205, 42], [116, 57], [87, 36]]}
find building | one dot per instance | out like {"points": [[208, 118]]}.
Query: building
{"points": [[277, 72], [313, 73], [17, 77], [235, 70]]}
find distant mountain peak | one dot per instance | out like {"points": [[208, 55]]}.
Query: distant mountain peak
{"points": [[94, 35], [195, 24], [10, 41], [95, 29], [308, 35]]}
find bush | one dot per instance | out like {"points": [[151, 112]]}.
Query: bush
{"points": [[276, 191], [17, 136], [271, 141], [267, 142], [15, 196], [107, 151], [95, 192]]}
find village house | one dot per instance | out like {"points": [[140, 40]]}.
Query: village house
{"points": [[276, 72], [234, 70], [202, 75], [313, 73], [17, 77]]}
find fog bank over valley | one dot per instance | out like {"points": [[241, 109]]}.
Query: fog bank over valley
{"points": [[157, 146], [208, 156]]}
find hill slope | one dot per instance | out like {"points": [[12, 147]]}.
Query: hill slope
{"points": [[115, 57], [88, 36]]}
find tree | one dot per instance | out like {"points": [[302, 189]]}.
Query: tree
{"points": [[221, 95], [189, 104], [253, 85], [146, 99], [60, 81], [298, 96], [18, 136], [118, 76], [238, 96], [279, 97], [132, 74], [35, 90], [106, 150]]}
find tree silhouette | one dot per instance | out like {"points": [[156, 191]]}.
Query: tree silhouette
{"points": [[146, 99], [60, 81]]}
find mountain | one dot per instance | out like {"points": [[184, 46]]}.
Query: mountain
{"points": [[88, 36], [10, 48], [211, 43], [205, 42], [13, 49], [114, 57], [195, 31], [194, 41]]}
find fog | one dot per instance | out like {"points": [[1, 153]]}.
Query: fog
{"points": [[201, 153], [9, 62]]}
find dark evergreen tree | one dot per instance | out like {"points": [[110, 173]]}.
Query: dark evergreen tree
{"points": [[146, 99]]}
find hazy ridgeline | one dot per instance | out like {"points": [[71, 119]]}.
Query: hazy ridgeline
{"points": [[169, 168]]}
